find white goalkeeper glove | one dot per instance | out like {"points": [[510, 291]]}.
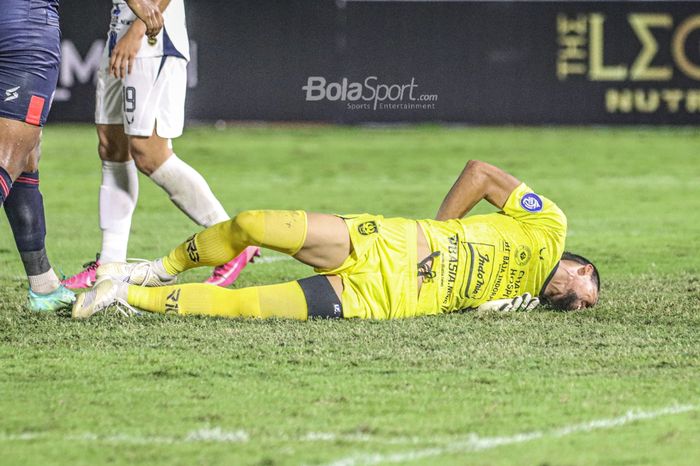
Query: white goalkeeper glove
{"points": [[520, 303]]}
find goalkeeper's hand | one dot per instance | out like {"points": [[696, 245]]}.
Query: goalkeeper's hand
{"points": [[520, 303]]}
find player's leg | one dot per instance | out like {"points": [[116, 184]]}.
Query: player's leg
{"points": [[17, 140], [118, 196], [319, 240], [25, 212], [327, 244], [280, 300], [186, 187], [119, 192], [310, 297], [24, 208]]}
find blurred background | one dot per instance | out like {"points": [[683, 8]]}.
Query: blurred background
{"points": [[474, 62]]}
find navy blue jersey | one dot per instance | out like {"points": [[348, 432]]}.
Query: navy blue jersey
{"points": [[41, 11]]}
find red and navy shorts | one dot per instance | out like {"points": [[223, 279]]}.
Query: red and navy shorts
{"points": [[30, 54]]}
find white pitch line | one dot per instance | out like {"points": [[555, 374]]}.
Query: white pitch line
{"points": [[451, 445], [360, 438], [211, 435], [203, 435], [271, 259], [217, 434], [476, 443]]}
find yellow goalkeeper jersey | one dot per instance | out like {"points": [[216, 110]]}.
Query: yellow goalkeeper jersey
{"points": [[494, 256]]}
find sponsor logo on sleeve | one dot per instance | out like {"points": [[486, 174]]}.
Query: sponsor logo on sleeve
{"points": [[531, 202]]}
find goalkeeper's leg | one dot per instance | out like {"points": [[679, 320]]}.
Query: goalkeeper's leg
{"points": [[309, 297], [318, 240]]}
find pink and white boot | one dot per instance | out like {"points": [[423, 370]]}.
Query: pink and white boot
{"points": [[84, 279], [225, 275]]}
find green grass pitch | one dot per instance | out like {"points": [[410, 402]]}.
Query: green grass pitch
{"points": [[616, 385]]}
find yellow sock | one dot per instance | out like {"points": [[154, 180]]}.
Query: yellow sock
{"points": [[280, 230], [284, 300]]}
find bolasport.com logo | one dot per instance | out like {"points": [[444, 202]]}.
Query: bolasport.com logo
{"points": [[369, 94]]}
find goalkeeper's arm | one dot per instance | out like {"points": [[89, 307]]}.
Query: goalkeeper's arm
{"points": [[479, 180]]}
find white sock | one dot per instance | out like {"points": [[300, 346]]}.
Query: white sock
{"points": [[122, 291], [159, 269], [118, 195], [44, 283], [189, 191]]}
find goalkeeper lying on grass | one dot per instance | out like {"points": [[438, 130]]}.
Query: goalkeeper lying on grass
{"points": [[374, 267]]}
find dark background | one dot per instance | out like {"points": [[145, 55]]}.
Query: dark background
{"points": [[488, 62]]}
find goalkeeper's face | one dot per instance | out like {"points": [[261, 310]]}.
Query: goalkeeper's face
{"points": [[581, 289]]}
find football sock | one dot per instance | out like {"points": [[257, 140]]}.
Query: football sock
{"points": [[279, 230], [44, 283], [5, 185], [284, 300], [24, 208], [119, 192], [189, 191]]}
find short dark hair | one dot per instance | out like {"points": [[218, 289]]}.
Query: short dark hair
{"points": [[595, 276]]}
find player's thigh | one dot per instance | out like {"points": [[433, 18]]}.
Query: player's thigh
{"points": [[113, 144], [33, 158], [337, 285], [327, 243], [17, 141]]}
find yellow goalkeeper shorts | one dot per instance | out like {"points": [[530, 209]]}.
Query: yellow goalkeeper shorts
{"points": [[380, 275]]}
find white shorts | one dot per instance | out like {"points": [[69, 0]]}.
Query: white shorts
{"points": [[151, 96]]}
